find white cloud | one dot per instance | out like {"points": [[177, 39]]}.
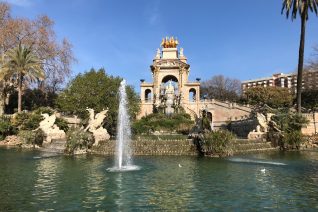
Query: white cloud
{"points": [[20, 3], [153, 12]]}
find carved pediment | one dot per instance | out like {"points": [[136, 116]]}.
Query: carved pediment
{"points": [[170, 64]]}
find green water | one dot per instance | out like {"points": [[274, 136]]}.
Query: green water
{"points": [[34, 181]]}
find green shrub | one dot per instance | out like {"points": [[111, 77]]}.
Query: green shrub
{"points": [[78, 139], [62, 124], [290, 124], [31, 137], [6, 127], [180, 123], [27, 121], [291, 140], [217, 142]]}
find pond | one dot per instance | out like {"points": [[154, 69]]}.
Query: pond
{"points": [[33, 181]]}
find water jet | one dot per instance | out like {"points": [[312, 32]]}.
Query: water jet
{"points": [[123, 154]]}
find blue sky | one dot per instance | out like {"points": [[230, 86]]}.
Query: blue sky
{"points": [[242, 39]]}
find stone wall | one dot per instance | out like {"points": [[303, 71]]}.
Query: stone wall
{"points": [[242, 128], [73, 121], [312, 127], [224, 112], [150, 147]]}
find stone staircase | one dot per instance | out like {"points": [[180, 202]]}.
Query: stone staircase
{"points": [[241, 146], [56, 146]]}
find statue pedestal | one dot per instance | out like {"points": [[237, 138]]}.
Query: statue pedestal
{"points": [[100, 134], [54, 134], [257, 135]]}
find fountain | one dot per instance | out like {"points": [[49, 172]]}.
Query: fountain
{"points": [[123, 159]]}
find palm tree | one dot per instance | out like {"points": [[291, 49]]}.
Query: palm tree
{"points": [[302, 7], [22, 66]]}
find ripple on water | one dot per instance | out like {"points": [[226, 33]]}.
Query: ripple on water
{"points": [[204, 184], [124, 168], [244, 160]]}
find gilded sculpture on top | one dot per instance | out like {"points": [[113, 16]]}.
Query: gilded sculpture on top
{"points": [[169, 42]]}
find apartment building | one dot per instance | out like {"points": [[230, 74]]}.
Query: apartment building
{"points": [[310, 81]]}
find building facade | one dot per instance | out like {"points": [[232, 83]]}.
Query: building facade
{"points": [[310, 81], [171, 90]]}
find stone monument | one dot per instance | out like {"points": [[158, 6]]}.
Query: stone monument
{"points": [[169, 95], [50, 129], [95, 126], [170, 66]]}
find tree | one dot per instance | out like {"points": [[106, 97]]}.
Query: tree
{"points": [[96, 90], [32, 99], [39, 35], [310, 99], [302, 7], [221, 88], [22, 66], [313, 63], [275, 97]]}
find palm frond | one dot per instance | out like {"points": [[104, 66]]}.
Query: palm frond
{"points": [[301, 7], [22, 61]]}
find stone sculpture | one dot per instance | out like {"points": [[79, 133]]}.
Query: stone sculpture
{"points": [[262, 121], [95, 126], [181, 52], [51, 130], [158, 54], [170, 98], [261, 127], [169, 42]]}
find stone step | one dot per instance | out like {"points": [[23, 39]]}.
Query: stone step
{"points": [[245, 141], [52, 150], [58, 142], [254, 150], [252, 146], [56, 146]]}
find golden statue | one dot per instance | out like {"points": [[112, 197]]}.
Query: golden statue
{"points": [[176, 42], [169, 42], [163, 42]]}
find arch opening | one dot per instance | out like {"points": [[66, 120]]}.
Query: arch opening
{"points": [[167, 81], [168, 78], [148, 95], [192, 95]]}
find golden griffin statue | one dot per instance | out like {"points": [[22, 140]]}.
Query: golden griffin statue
{"points": [[169, 42]]}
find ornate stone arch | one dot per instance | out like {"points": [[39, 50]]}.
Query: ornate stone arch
{"points": [[169, 77]]}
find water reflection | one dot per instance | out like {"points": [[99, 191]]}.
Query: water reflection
{"points": [[45, 187], [95, 180], [119, 192], [83, 184], [169, 186]]}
